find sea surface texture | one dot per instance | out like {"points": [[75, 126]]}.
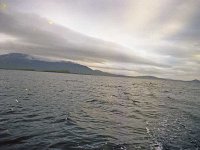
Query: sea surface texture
{"points": [[67, 111]]}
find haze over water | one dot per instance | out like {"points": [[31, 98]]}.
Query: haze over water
{"points": [[66, 111]]}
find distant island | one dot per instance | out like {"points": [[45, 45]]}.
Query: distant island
{"points": [[195, 81], [19, 61]]}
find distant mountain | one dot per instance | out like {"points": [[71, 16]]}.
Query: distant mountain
{"points": [[147, 77], [18, 61], [195, 81]]}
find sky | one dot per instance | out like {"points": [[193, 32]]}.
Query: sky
{"points": [[130, 37]]}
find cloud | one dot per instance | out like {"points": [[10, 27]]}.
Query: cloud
{"points": [[34, 35], [145, 38]]}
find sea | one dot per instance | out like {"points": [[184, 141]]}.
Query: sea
{"points": [[57, 111]]}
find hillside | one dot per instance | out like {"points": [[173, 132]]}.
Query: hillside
{"points": [[18, 61]]}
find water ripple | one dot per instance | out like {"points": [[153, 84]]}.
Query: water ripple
{"points": [[65, 111]]}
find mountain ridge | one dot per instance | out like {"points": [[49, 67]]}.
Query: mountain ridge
{"points": [[20, 61]]}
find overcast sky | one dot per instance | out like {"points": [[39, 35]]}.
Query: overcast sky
{"points": [[131, 37]]}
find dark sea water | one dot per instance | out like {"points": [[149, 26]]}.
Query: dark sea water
{"points": [[66, 111]]}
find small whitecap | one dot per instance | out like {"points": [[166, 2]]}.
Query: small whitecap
{"points": [[147, 130], [159, 146]]}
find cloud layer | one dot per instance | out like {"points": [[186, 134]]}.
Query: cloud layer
{"points": [[145, 38], [35, 35]]}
